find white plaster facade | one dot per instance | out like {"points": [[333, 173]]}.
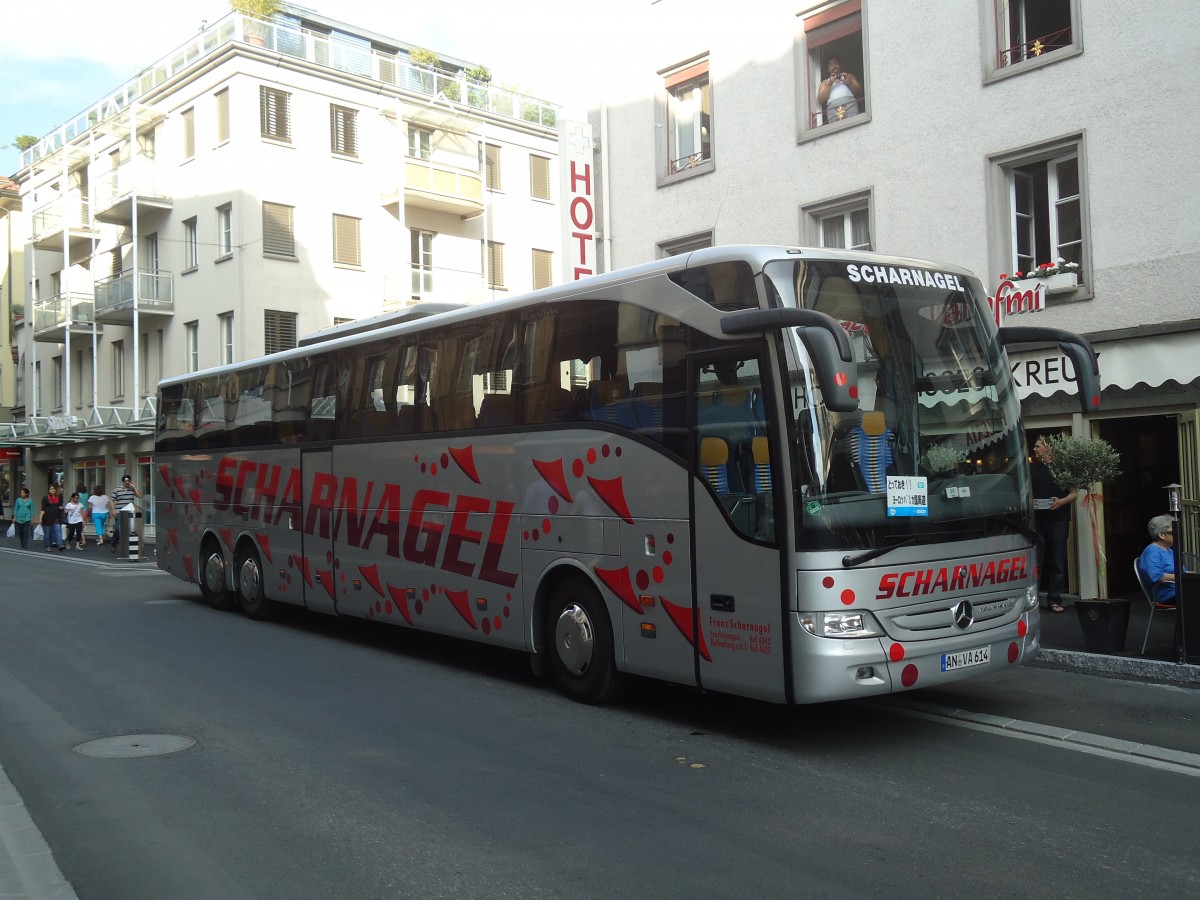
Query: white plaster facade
{"points": [[951, 111]]}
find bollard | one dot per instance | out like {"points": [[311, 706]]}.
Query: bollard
{"points": [[133, 542]]}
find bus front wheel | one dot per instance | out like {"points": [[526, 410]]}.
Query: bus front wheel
{"points": [[212, 576], [249, 577], [581, 644]]}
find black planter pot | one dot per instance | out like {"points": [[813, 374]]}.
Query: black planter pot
{"points": [[1104, 623]]}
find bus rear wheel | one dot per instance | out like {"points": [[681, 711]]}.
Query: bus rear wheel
{"points": [[249, 579], [580, 639], [212, 576]]}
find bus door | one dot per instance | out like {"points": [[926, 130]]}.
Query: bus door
{"points": [[738, 581], [317, 550]]}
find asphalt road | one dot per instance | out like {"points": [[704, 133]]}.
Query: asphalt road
{"points": [[337, 759]]}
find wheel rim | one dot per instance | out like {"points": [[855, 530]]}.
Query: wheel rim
{"points": [[249, 578], [575, 639], [214, 573]]}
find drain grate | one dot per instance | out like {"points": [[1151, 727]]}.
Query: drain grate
{"points": [[127, 746]]}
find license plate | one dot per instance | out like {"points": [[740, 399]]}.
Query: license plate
{"points": [[980, 656]]}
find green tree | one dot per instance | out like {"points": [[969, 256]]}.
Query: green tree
{"points": [[24, 141]]}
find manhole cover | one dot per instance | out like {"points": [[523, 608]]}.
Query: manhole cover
{"points": [[130, 745]]}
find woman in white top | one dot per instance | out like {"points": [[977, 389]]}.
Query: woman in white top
{"points": [[100, 506], [74, 510], [839, 93]]}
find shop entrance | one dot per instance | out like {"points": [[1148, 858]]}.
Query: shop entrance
{"points": [[1149, 452]]}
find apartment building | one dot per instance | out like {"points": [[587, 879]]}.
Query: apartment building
{"points": [[996, 134], [264, 180]]}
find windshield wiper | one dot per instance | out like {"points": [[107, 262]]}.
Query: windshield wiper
{"points": [[849, 561]]}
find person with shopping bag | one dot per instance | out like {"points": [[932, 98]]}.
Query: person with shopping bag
{"points": [[23, 517], [52, 520]]}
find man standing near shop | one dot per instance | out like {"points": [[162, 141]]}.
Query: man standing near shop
{"points": [[122, 496], [1052, 515]]}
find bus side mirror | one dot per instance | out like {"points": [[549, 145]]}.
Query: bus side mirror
{"points": [[1078, 350], [823, 338]]}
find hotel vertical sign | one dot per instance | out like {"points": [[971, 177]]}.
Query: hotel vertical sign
{"points": [[578, 191]]}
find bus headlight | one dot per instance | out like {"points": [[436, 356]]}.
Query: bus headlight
{"points": [[841, 624], [1031, 597]]}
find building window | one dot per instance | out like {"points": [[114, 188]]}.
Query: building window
{"points": [[279, 234], [1043, 198], [343, 130], [189, 133], [420, 142], [279, 331], [222, 98], [421, 250], [833, 60], [274, 114], [841, 224], [539, 177], [56, 382], [1029, 31], [543, 269], [225, 230], [346, 247], [494, 264], [226, 330], [686, 110], [685, 244], [191, 337], [118, 370], [80, 376], [191, 245], [491, 165]]}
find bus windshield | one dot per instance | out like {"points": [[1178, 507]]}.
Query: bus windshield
{"points": [[934, 450]]}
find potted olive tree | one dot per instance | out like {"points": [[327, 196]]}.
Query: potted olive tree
{"points": [[256, 31], [1083, 465]]}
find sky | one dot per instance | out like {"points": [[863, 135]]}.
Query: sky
{"points": [[61, 57]]}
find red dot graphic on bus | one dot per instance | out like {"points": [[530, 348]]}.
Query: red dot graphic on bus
{"points": [[416, 458], [896, 652], [657, 574], [670, 537], [909, 676], [552, 505], [419, 606], [827, 582], [1022, 628], [425, 594], [328, 556], [422, 468], [445, 460], [378, 606], [667, 558], [524, 535], [577, 468], [546, 526], [605, 450], [643, 580], [496, 623], [506, 612], [485, 626], [387, 607], [1013, 652], [848, 597], [433, 469], [591, 456], [535, 535]]}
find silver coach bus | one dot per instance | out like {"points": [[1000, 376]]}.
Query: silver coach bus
{"points": [[789, 474]]}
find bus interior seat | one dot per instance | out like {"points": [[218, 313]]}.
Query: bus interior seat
{"points": [[716, 467], [648, 407], [497, 411], [546, 403], [608, 401]]}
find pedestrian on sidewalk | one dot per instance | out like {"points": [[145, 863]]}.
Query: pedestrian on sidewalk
{"points": [[23, 517], [74, 511], [122, 497], [52, 520], [82, 490], [1052, 515], [101, 506]]}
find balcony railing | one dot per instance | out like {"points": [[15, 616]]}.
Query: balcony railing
{"points": [[378, 65], [440, 186], [155, 292], [71, 211], [52, 312], [840, 113], [119, 184], [1036, 47]]}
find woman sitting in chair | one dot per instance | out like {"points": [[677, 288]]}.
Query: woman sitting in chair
{"points": [[1157, 562]]}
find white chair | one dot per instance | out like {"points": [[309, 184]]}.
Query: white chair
{"points": [[1148, 593]]}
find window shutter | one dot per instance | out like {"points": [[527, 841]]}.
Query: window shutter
{"points": [[539, 177], [222, 116], [278, 231], [274, 114], [492, 162], [346, 248], [279, 330], [495, 253], [189, 133], [543, 269], [343, 130]]}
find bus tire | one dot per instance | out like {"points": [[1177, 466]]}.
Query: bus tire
{"points": [[580, 639], [248, 576], [212, 575]]}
